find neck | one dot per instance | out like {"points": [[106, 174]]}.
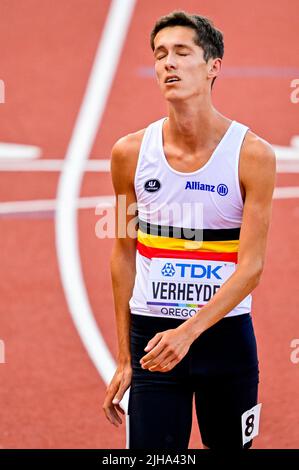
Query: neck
{"points": [[191, 124]]}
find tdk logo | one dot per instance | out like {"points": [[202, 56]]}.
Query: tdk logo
{"points": [[199, 270], [221, 189], [196, 271], [152, 185]]}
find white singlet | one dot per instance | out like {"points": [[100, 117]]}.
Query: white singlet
{"points": [[189, 227]]}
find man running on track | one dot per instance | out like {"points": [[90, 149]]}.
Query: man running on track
{"points": [[203, 185]]}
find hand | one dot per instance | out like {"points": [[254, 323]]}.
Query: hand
{"points": [[167, 349], [114, 393]]}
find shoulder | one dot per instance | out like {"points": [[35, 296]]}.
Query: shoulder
{"points": [[257, 160], [257, 151], [124, 157], [127, 148]]}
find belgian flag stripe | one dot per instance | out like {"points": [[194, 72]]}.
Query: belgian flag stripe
{"points": [[222, 234], [151, 252]]}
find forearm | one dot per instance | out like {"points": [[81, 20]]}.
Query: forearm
{"points": [[232, 292], [123, 277]]}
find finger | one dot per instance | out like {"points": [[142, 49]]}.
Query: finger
{"points": [[154, 353], [119, 408], [111, 391], [108, 414], [155, 361], [170, 366], [166, 368], [155, 340], [161, 363], [113, 416], [116, 415], [123, 386], [175, 356]]}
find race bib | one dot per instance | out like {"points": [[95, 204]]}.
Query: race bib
{"points": [[178, 288], [250, 423]]}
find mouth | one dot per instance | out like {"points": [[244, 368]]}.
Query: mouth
{"points": [[172, 79]]}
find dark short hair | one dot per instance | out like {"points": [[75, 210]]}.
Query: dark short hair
{"points": [[207, 36]]}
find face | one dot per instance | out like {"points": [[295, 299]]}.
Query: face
{"points": [[180, 67]]}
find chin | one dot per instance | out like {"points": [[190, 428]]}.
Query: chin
{"points": [[173, 96]]}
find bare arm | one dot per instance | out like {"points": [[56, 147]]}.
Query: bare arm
{"points": [[124, 250], [123, 164], [257, 175]]}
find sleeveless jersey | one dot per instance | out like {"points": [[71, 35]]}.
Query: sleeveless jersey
{"points": [[189, 227]]}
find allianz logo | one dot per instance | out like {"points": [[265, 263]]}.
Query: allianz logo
{"points": [[221, 189]]}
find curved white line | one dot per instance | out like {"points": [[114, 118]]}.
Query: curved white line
{"points": [[88, 120]]}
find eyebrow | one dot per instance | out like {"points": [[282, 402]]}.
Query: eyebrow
{"points": [[177, 46]]}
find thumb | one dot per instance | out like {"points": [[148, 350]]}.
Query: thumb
{"points": [[120, 393], [152, 343], [117, 398]]}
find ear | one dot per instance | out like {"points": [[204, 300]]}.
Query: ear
{"points": [[214, 67]]}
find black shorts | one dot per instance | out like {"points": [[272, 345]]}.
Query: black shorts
{"points": [[220, 371]]}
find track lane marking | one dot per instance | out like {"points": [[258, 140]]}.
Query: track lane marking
{"points": [[103, 165], [82, 139], [92, 202], [18, 152], [45, 205], [95, 165]]}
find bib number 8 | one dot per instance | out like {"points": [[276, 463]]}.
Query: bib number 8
{"points": [[249, 425]]}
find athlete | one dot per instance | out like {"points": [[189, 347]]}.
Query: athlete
{"points": [[203, 186]]}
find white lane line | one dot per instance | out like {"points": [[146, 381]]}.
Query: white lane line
{"points": [[287, 167], [290, 153], [103, 165], [87, 123], [45, 205], [96, 165], [287, 160], [23, 158], [18, 152], [286, 192], [286, 153]]}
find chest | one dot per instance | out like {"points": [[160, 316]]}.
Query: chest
{"points": [[187, 162], [191, 162]]}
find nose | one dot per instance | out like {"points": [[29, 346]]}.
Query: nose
{"points": [[170, 63]]}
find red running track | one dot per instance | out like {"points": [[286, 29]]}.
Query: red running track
{"points": [[51, 394]]}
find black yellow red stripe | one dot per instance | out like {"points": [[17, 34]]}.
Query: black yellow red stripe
{"points": [[149, 252], [213, 244], [190, 234]]}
